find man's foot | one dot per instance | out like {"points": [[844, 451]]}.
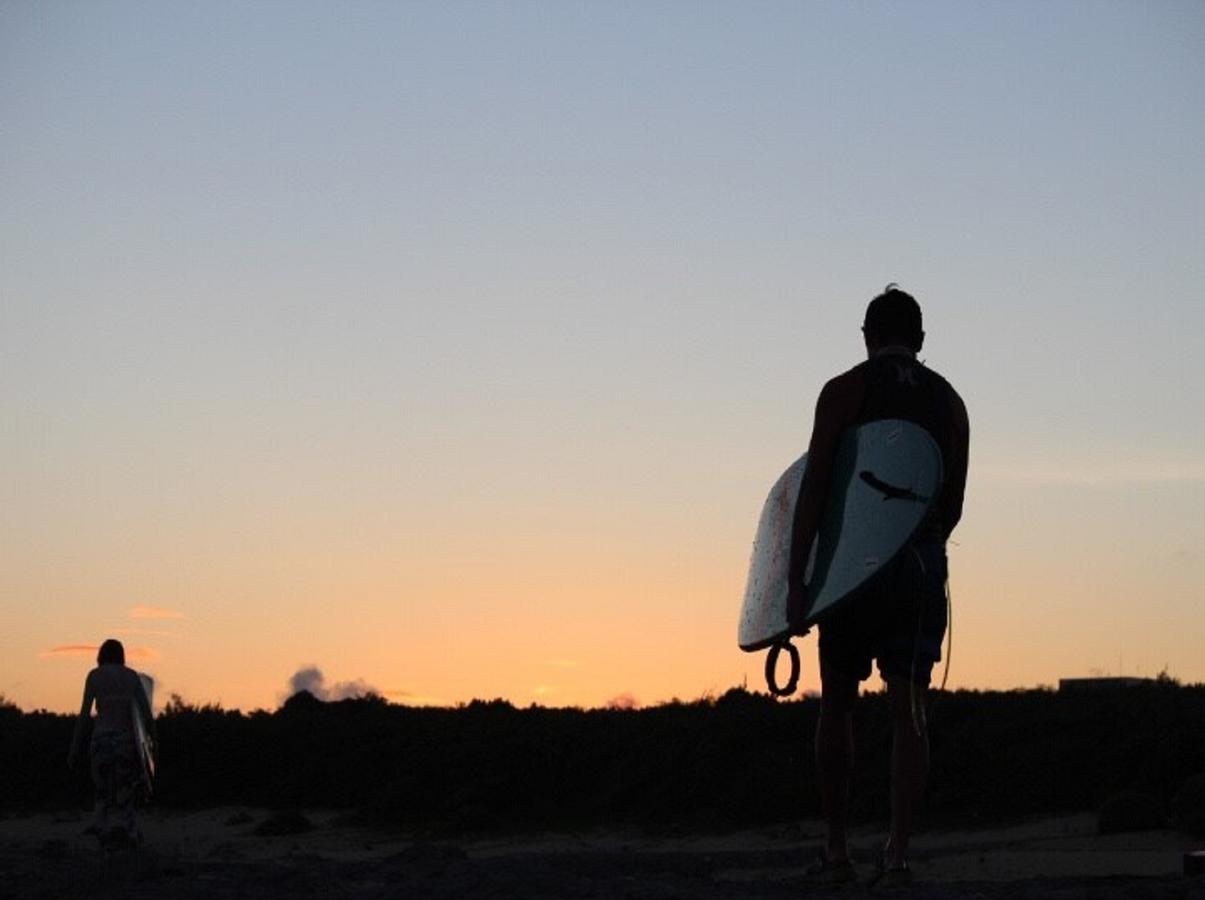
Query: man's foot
{"points": [[892, 875], [826, 870], [116, 838]]}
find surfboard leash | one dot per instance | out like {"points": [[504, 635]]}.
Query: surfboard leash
{"points": [[949, 632], [920, 619], [945, 675], [775, 688]]}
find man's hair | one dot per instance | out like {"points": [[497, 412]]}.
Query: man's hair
{"points": [[111, 653], [894, 316]]}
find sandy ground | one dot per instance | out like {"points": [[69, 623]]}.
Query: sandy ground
{"points": [[215, 854]]}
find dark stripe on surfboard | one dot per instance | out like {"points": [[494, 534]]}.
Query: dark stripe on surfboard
{"points": [[890, 491]]}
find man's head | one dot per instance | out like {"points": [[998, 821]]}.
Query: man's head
{"points": [[111, 653], [893, 317]]}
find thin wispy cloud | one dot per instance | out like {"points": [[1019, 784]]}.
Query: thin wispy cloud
{"points": [[1121, 473], [153, 632], [70, 650], [142, 654], [76, 651], [154, 612]]}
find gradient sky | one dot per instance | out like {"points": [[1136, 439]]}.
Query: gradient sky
{"points": [[453, 347]]}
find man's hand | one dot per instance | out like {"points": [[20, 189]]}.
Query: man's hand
{"points": [[797, 607]]}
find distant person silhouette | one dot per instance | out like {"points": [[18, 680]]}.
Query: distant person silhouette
{"points": [[901, 619], [114, 689]]}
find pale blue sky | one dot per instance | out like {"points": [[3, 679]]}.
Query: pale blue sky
{"points": [[444, 270]]}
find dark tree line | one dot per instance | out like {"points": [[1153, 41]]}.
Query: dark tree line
{"points": [[738, 760]]}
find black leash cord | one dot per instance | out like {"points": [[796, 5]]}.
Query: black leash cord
{"points": [[787, 689]]}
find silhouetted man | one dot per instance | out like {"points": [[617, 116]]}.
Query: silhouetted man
{"points": [[115, 689], [901, 619]]}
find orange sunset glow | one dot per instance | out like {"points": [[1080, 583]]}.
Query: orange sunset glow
{"points": [[457, 363]]}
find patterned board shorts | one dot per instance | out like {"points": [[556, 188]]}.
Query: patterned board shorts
{"points": [[117, 779], [899, 620]]}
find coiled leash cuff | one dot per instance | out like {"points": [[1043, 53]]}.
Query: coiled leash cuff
{"points": [[787, 689]]}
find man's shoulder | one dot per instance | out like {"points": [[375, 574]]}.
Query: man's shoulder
{"points": [[851, 380], [954, 399], [836, 408], [843, 393], [936, 375]]}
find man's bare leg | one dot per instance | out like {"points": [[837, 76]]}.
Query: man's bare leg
{"points": [[909, 765], [835, 755]]}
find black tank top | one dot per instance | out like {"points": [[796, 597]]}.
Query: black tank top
{"points": [[899, 387]]}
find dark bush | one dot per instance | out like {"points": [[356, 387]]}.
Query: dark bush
{"points": [[1188, 806], [736, 761]]}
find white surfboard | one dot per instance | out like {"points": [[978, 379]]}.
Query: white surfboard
{"points": [[886, 476], [143, 744], [764, 612]]}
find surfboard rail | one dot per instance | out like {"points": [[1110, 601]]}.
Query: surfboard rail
{"points": [[144, 744]]}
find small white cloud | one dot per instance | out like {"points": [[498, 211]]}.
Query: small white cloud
{"points": [[625, 700], [409, 698], [311, 680], [350, 690]]}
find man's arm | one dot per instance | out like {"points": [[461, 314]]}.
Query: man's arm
{"points": [[836, 409], [81, 723], [956, 476]]}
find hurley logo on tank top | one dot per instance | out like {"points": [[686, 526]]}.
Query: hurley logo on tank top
{"points": [[905, 373]]}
